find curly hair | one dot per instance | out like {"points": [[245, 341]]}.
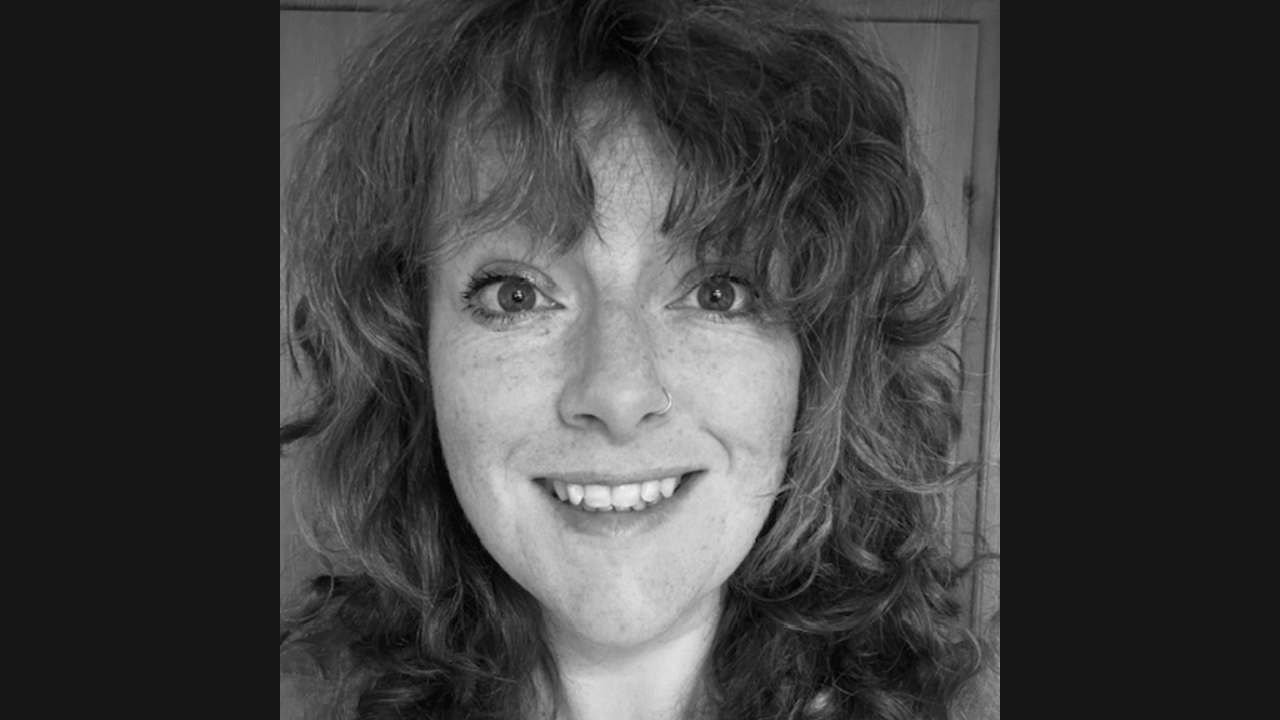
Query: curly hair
{"points": [[792, 148]]}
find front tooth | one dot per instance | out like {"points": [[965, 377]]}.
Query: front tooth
{"points": [[625, 495], [668, 486], [560, 490], [576, 493], [650, 491], [598, 496], [640, 505]]}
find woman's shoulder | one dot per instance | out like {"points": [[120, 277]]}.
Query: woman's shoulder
{"points": [[319, 678]]}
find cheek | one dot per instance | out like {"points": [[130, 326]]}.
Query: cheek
{"points": [[746, 393], [483, 392], [489, 401]]}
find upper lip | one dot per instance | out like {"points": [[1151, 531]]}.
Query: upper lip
{"points": [[588, 477]]}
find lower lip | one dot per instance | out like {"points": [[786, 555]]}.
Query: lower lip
{"points": [[615, 524]]}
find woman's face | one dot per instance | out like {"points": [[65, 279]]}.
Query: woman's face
{"points": [[549, 375]]}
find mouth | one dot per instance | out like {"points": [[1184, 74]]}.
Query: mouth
{"points": [[629, 497]]}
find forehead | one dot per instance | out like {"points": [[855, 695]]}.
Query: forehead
{"points": [[608, 165], [630, 173]]}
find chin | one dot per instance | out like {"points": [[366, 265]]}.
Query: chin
{"points": [[630, 612], [611, 626]]}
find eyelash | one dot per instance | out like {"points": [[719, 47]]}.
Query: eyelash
{"points": [[751, 311], [482, 280]]}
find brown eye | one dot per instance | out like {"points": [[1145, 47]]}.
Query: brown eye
{"points": [[717, 294], [517, 295]]}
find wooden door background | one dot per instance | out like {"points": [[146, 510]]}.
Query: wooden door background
{"points": [[948, 53]]}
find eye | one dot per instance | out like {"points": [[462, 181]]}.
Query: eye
{"points": [[717, 294], [498, 295], [516, 295], [724, 294]]}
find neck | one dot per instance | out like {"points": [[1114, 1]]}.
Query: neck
{"points": [[656, 680]]}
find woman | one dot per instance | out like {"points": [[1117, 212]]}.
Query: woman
{"points": [[630, 403]]}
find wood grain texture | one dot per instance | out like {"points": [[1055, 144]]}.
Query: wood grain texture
{"points": [[986, 588]]}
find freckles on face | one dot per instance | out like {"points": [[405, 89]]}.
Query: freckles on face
{"points": [[484, 410], [556, 369]]}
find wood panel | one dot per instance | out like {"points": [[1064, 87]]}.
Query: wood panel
{"points": [[986, 589], [939, 66]]}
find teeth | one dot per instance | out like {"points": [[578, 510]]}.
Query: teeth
{"points": [[620, 498], [597, 496], [668, 486], [624, 496], [649, 491]]}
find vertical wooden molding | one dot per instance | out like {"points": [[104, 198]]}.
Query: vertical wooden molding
{"points": [[967, 524], [986, 587]]}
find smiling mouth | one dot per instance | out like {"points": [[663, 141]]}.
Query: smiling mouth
{"points": [[633, 497]]}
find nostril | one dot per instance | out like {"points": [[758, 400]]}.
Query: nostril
{"points": [[616, 406]]}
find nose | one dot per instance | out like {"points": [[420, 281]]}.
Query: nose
{"points": [[615, 387]]}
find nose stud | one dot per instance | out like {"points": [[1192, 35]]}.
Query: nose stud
{"points": [[664, 410]]}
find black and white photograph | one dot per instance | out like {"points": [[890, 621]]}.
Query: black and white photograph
{"points": [[640, 359]]}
